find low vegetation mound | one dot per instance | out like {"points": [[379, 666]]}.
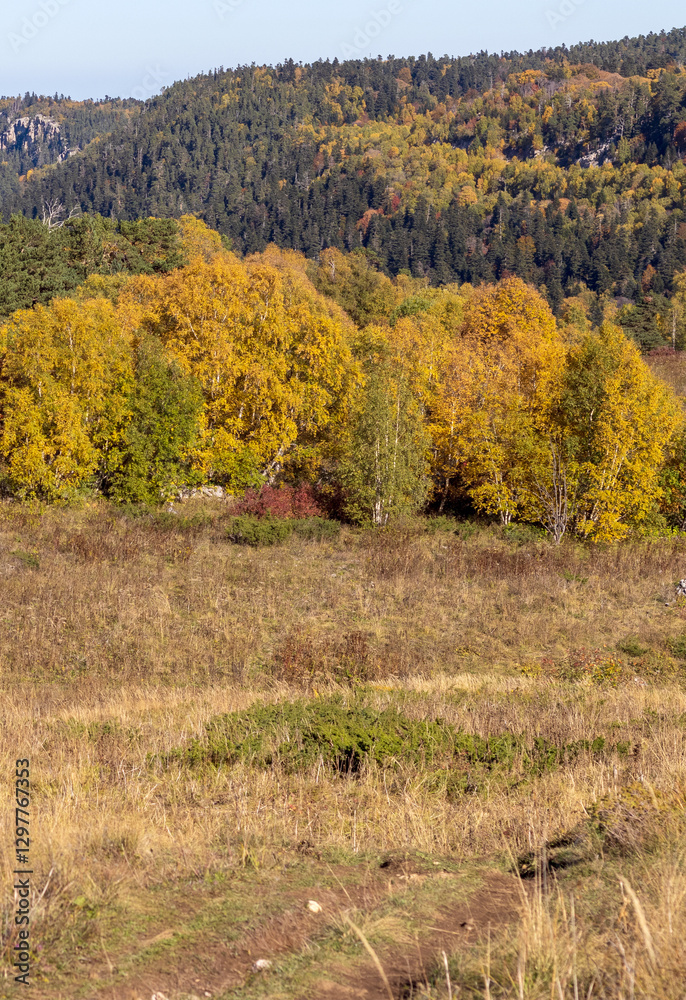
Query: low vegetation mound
{"points": [[248, 529], [298, 735]]}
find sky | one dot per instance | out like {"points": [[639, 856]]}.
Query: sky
{"points": [[135, 48]]}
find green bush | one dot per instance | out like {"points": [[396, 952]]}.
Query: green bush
{"points": [[167, 521], [468, 529], [677, 647], [316, 529], [632, 647], [441, 523], [29, 559], [523, 534], [246, 529], [298, 735]]}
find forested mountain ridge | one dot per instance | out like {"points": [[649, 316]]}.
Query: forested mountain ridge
{"points": [[560, 166], [37, 131]]}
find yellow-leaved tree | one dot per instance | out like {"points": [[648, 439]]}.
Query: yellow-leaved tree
{"points": [[497, 376], [66, 375], [271, 354], [198, 240], [604, 440]]}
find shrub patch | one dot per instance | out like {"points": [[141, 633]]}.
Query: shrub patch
{"points": [[248, 529], [298, 735]]}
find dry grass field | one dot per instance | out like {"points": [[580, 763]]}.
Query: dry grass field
{"points": [[466, 745]]}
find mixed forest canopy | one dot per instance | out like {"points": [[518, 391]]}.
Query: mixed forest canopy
{"points": [[402, 282], [562, 166], [383, 395]]}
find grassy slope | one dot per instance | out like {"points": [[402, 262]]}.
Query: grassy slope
{"points": [[122, 637]]}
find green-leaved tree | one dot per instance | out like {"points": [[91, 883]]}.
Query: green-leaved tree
{"points": [[166, 406], [384, 471]]}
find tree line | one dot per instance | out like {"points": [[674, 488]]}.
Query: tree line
{"points": [[384, 394], [561, 167]]}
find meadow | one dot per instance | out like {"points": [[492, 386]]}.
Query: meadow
{"points": [[466, 744]]}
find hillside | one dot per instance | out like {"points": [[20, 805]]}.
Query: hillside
{"points": [[342, 525], [559, 166], [36, 131]]}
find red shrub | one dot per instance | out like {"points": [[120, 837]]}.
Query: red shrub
{"points": [[284, 501], [659, 352]]}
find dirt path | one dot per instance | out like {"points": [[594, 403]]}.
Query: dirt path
{"points": [[194, 957], [496, 903], [197, 960]]}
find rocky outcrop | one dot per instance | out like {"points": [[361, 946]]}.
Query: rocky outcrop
{"points": [[193, 492], [32, 129], [594, 159]]}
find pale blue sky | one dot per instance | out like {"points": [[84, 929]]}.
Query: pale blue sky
{"points": [[89, 48]]}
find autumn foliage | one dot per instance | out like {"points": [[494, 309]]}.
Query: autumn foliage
{"points": [[269, 376], [285, 501]]}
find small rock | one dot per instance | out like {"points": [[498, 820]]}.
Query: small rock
{"points": [[313, 906], [467, 925], [680, 592], [192, 492], [261, 965]]}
